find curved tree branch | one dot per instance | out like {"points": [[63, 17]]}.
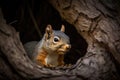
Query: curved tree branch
{"points": [[13, 50], [94, 20]]}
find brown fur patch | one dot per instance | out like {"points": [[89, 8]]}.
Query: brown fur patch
{"points": [[61, 60], [40, 59]]}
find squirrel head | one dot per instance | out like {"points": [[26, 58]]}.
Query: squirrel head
{"points": [[56, 41]]}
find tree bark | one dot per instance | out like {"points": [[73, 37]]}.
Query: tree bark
{"points": [[95, 22]]}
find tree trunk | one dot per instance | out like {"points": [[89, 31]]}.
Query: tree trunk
{"points": [[95, 20]]}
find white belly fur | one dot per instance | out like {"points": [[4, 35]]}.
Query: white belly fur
{"points": [[52, 59]]}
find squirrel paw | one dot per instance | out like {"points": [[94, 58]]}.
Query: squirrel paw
{"points": [[50, 65], [68, 65]]}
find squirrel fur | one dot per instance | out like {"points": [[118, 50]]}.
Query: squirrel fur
{"points": [[51, 49]]}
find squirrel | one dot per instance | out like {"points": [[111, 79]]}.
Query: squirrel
{"points": [[51, 49]]}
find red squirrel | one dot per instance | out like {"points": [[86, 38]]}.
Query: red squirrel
{"points": [[51, 49]]}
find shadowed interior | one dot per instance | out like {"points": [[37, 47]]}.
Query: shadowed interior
{"points": [[17, 14]]}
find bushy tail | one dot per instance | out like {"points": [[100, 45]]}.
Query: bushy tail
{"points": [[30, 47]]}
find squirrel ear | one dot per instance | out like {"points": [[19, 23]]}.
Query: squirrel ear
{"points": [[62, 28], [48, 31]]}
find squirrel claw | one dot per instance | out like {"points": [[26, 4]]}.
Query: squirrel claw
{"points": [[68, 65]]}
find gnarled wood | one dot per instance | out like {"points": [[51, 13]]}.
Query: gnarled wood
{"points": [[94, 20]]}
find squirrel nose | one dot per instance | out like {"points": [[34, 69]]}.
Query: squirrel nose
{"points": [[67, 46]]}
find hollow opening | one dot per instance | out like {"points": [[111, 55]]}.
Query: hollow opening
{"points": [[17, 14]]}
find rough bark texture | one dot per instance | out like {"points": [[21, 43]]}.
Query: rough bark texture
{"points": [[94, 20]]}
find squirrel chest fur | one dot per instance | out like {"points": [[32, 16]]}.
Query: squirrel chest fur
{"points": [[51, 49]]}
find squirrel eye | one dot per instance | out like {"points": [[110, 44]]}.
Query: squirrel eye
{"points": [[56, 39]]}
